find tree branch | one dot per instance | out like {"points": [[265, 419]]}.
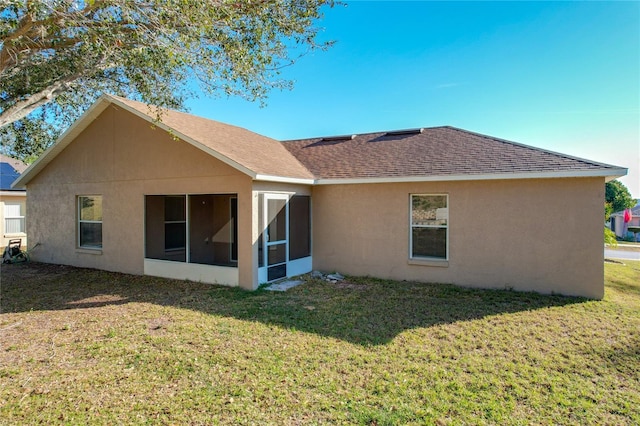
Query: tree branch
{"points": [[79, 48], [30, 31], [21, 109]]}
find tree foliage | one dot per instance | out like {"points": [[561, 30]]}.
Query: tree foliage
{"points": [[58, 56], [617, 198]]}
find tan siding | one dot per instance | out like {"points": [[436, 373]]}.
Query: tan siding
{"points": [[527, 234], [541, 235], [122, 158]]}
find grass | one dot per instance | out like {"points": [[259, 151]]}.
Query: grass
{"points": [[82, 346]]}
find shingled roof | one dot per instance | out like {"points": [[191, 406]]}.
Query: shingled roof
{"points": [[635, 211], [430, 154], [436, 153], [258, 156], [250, 152], [10, 170]]}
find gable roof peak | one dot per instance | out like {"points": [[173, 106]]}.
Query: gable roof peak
{"points": [[255, 155]]}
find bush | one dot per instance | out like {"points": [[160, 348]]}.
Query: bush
{"points": [[610, 237]]}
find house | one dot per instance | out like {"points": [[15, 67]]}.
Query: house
{"points": [[12, 202], [625, 230], [196, 199]]}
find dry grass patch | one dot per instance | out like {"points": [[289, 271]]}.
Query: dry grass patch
{"points": [[92, 347]]}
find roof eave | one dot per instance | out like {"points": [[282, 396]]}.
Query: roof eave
{"points": [[548, 151], [608, 174], [63, 141], [89, 116], [185, 138], [285, 179], [14, 192]]}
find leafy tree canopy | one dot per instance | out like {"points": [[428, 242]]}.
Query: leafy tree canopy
{"points": [[58, 56], [617, 198]]}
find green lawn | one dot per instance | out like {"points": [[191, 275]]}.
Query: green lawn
{"points": [[91, 347]]}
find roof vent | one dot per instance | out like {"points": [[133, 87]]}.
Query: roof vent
{"points": [[332, 140], [405, 132], [338, 138]]}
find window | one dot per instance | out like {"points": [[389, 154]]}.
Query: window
{"points": [[13, 218], [90, 221], [200, 228], [429, 226]]}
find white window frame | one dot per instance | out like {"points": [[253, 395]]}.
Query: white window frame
{"points": [[21, 217], [80, 221], [412, 226]]}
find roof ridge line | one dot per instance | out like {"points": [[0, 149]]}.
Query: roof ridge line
{"points": [[354, 135]]}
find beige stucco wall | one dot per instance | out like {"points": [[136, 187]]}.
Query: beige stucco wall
{"points": [[541, 235], [122, 158], [18, 197]]}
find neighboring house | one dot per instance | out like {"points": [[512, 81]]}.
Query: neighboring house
{"points": [[12, 202], [621, 229], [196, 199]]}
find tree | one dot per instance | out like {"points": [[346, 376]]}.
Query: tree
{"points": [[58, 56], [617, 198]]}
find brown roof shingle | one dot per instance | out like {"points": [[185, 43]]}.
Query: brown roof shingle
{"points": [[260, 154], [436, 151]]}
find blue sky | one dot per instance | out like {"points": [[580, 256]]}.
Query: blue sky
{"points": [[563, 76]]}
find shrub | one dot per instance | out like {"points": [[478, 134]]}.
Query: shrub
{"points": [[610, 237]]}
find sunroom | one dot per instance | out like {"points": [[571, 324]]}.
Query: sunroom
{"points": [[195, 237]]}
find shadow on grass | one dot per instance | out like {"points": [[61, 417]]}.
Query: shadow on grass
{"points": [[361, 310], [623, 281], [624, 287]]}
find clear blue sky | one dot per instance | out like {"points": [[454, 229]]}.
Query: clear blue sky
{"points": [[563, 76]]}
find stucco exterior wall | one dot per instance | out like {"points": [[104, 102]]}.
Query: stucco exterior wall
{"points": [[122, 158], [17, 197], [541, 235]]}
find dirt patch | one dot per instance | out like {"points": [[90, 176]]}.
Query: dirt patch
{"points": [[346, 285], [158, 325]]}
